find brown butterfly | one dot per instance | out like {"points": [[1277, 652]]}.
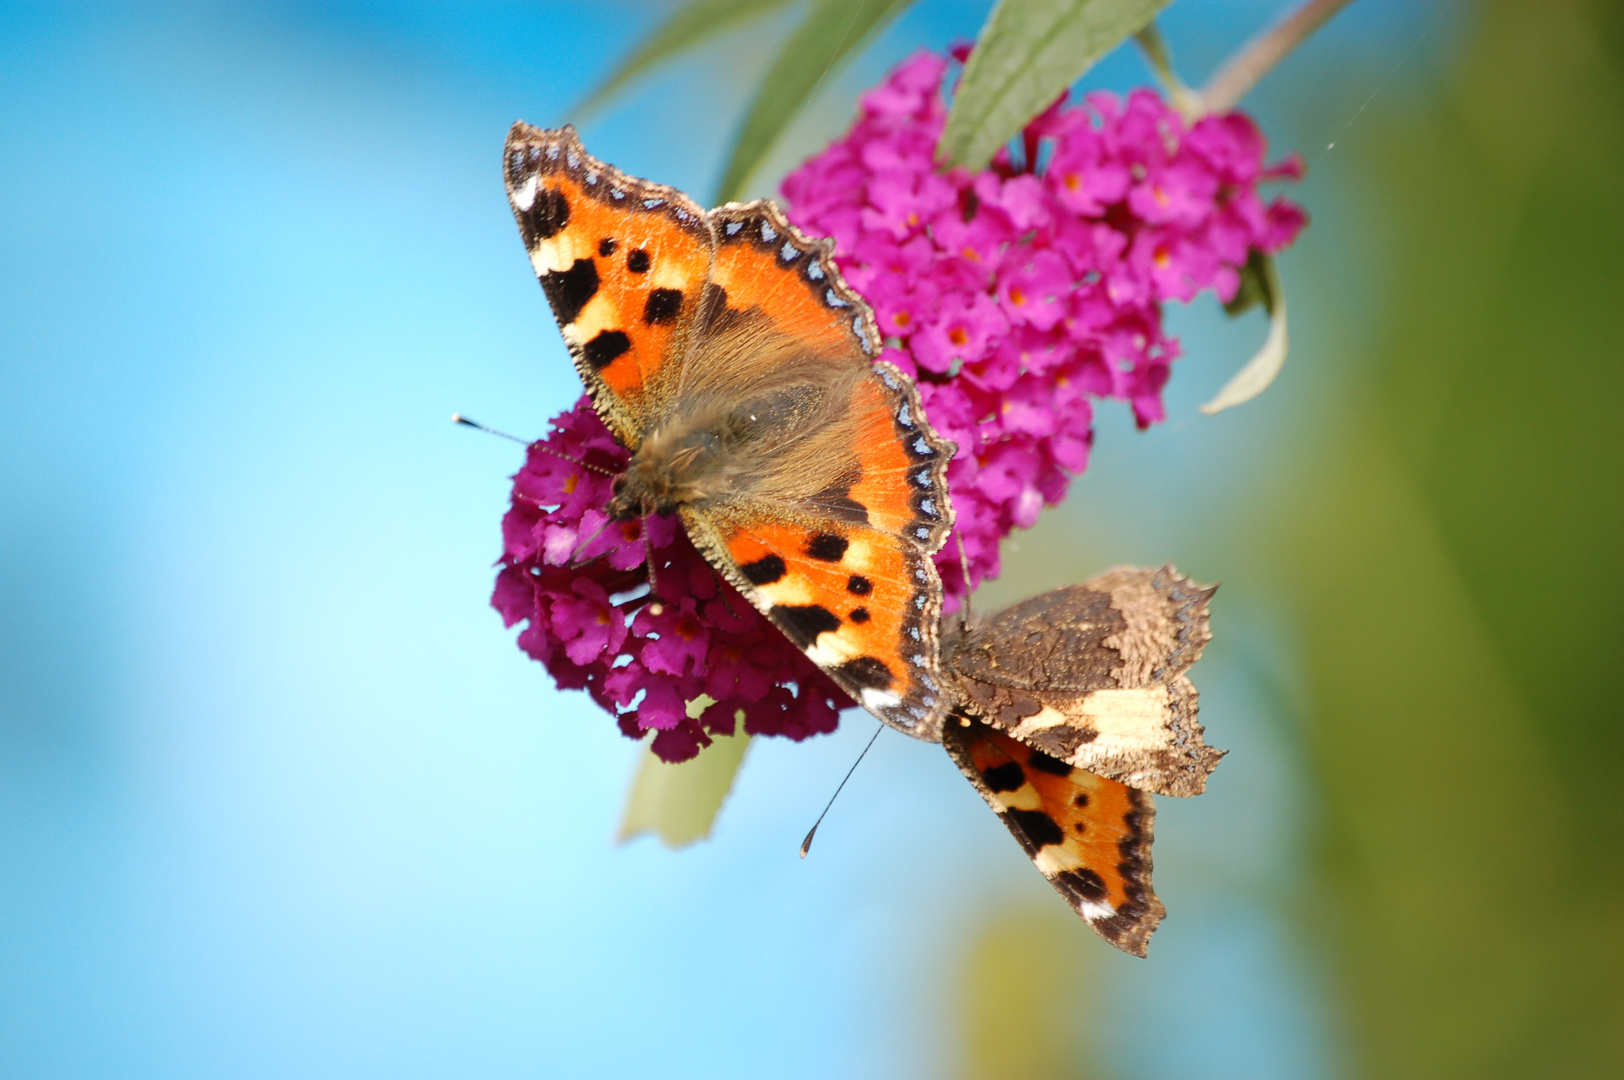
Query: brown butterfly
{"points": [[724, 351], [1071, 708]]}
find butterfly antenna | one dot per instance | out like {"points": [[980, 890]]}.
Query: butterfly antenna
{"points": [[806, 845], [964, 569], [458, 418]]}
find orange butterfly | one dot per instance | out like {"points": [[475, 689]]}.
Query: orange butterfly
{"points": [[1067, 705], [726, 354]]}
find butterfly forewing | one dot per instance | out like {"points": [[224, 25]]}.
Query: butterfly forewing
{"points": [[765, 264], [623, 263], [1089, 836]]}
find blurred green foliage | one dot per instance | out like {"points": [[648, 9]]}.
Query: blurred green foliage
{"points": [[1024, 996], [687, 26], [832, 33], [1452, 556], [1445, 542], [679, 803]]}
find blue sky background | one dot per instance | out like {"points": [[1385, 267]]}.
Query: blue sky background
{"points": [[278, 795]]}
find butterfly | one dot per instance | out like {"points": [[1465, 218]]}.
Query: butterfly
{"points": [[1071, 708], [725, 352]]}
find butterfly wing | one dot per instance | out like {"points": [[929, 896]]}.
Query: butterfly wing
{"points": [[845, 584], [831, 536], [1094, 675], [1089, 835], [623, 263], [832, 494]]}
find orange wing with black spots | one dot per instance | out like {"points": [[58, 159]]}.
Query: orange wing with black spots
{"points": [[623, 263], [842, 566], [764, 263], [844, 581], [1088, 835], [726, 352]]}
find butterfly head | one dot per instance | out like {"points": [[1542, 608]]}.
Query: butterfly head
{"points": [[678, 464], [632, 499]]}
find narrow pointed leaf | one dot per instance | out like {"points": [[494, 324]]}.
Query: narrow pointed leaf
{"points": [[683, 29], [1259, 284], [1028, 52], [833, 31], [679, 803]]}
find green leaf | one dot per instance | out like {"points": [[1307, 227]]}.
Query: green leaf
{"points": [[1260, 284], [679, 803], [1028, 52], [1255, 285], [684, 28], [832, 32]]}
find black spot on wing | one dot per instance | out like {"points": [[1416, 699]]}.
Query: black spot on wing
{"points": [[1019, 709], [803, 623], [827, 547], [859, 615], [1006, 777], [1062, 740], [1045, 763], [637, 261], [714, 314], [1084, 884], [858, 585], [1079, 800], [1039, 828], [607, 246], [546, 217], [764, 571], [868, 672], [836, 500], [569, 290], [662, 306], [603, 349]]}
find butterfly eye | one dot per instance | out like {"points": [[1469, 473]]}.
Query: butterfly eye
{"points": [[618, 485]]}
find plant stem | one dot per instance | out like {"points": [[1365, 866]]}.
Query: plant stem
{"points": [[1243, 70], [1160, 59]]}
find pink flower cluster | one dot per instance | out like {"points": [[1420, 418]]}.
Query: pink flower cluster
{"points": [[1015, 296], [581, 582], [1018, 294]]}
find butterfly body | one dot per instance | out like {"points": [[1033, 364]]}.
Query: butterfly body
{"points": [[1070, 709], [724, 351]]}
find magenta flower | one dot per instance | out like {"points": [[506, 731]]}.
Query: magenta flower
{"points": [[1018, 297], [580, 582], [1020, 294]]}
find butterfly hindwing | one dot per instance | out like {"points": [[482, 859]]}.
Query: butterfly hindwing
{"points": [[1088, 835], [623, 263], [860, 602], [1094, 675]]}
